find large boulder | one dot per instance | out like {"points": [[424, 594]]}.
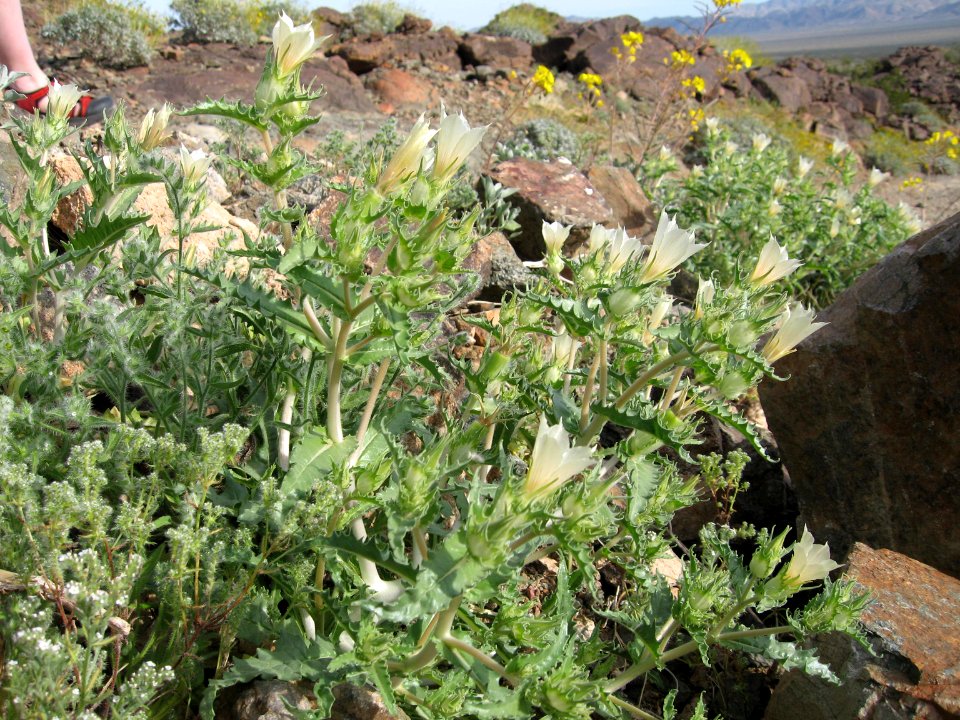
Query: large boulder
{"points": [[497, 52], [913, 626], [868, 424], [551, 192], [623, 194], [436, 49], [781, 86]]}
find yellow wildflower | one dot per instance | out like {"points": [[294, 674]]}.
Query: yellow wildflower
{"points": [[737, 60], [911, 182], [696, 116], [631, 39], [722, 4], [679, 58], [696, 83], [544, 79]]}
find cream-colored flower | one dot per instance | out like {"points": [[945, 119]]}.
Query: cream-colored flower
{"points": [[194, 165], [621, 248], [796, 324], [553, 461], [713, 125], [839, 147], [599, 238], [153, 130], [409, 158], [774, 264], [565, 348], [730, 148], [61, 100], [455, 142], [555, 234], [666, 154], [877, 176], [655, 320], [760, 142], [804, 165], [705, 294], [671, 246], [293, 45], [810, 562], [779, 186], [774, 208]]}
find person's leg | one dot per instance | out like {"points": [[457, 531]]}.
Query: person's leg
{"points": [[15, 50]]}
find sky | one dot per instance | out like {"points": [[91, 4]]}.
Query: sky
{"points": [[468, 15]]}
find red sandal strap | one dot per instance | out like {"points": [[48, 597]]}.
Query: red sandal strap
{"points": [[29, 102], [84, 104]]}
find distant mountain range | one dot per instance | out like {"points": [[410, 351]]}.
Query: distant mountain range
{"points": [[791, 16]]}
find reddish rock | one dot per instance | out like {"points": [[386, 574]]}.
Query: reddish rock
{"points": [[414, 25], [789, 91], [400, 89], [363, 55], [623, 194], [913, 626], [873, 100], [342, 89], [868, 424], [497, 52], [552, 192]]}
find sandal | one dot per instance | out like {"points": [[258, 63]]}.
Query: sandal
{"points": [[90, 110]]}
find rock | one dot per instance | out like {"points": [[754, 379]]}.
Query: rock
{"points": [[868, 424], [873, 100], [152, 201], [269, 700], [789, 92], [414, 25], [552, 192], [401, 89], [914, 628], [498, 52], [433, 48], [360, 703], [623, 194], [501, 271], [342, 90]]}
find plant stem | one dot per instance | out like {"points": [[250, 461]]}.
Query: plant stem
{"points": [[671, 389], [588, 392], [632, 709], [314, 322], [375, 388]]}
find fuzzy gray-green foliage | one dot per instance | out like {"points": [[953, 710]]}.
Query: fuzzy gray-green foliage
{"points": [[214, 21], [104, 33], [541, 139]]}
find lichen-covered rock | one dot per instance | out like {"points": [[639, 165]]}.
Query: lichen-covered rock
{"points": [[551, 192], [868, 424]]}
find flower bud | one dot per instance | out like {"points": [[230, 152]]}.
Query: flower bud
{"points": [[622, 302]]}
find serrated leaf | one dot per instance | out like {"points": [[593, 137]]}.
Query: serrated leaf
{"points": [[790, 655], [580, 319], [348, 544], [737, 421], [241, 112], [321, 288], [651, 425], [314, 456]]}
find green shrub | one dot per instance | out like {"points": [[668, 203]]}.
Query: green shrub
{"points": [[225, 21], [111, 34], [890, 151], [743, 193], [524, 22], [381, 17], [541, 139]]}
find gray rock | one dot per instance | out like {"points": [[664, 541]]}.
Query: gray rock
{"points": [[868, 424], [271, 700]]}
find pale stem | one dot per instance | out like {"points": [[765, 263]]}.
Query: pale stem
{"points": [[441, 626], [375, 387], [632, 709], [420, 550], [588, 392], [594, 427], [672, 389], [487, 444], [334, 425], [279, 196], [567, 377], [604, 360], [314, 322], [283, 435], [478, 655]]}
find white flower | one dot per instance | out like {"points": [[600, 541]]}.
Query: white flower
{"points": [[455, 142], [671, 246], [193, 165], [774, 208], [554, 236], [599, 238], [774, 264], [655, 320], [842, 200], [839, 147], [729, 148], [705, 294], [760, 142], [713, 124], [809, 563], [804, 165], [565, 349], [293, 46], [621, 247], [153, 129], [409, 157], [779, 186], [666, 154], [61, 100], [696, 171], [553, 461], [877, 176], [795, 324]]}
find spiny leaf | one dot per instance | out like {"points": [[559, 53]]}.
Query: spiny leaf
{"points": [[241, 112]]}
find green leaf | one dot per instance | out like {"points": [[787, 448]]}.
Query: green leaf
{"points": [[582, 318], [651, 425], [314, 456], [321, 288], [737, 421], [788, 654], [347, 543], [241, 112]]}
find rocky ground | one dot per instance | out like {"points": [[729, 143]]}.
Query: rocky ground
{"points": [[369, 80]]}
